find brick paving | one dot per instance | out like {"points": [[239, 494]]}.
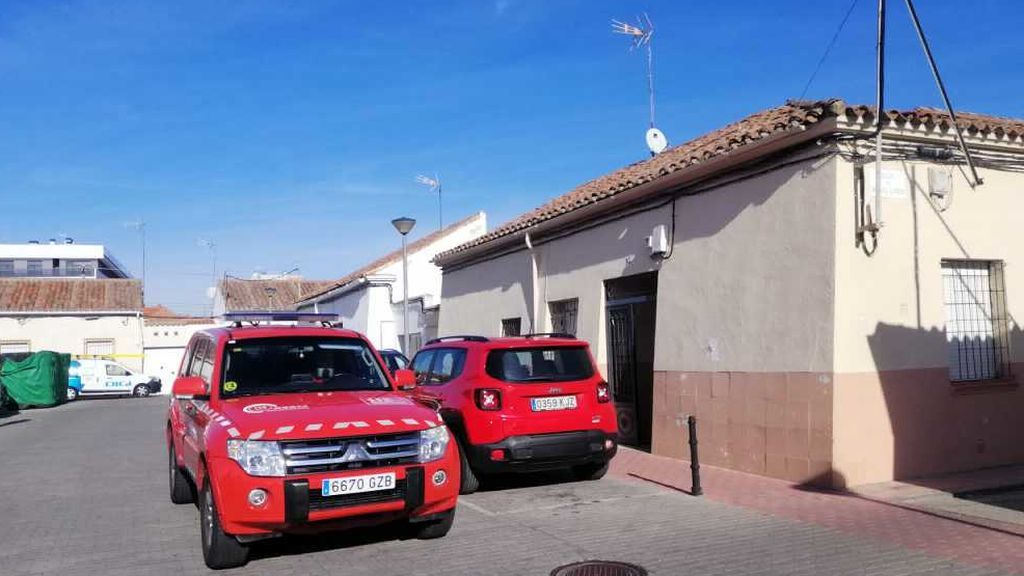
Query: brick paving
{"points": [[845, 512], [84, 492]]}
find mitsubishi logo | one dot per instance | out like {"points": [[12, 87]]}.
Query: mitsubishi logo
{"points": [[355, 453]]}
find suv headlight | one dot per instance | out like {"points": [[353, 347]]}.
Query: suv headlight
{"points": [[257, 457], [433, 443]]}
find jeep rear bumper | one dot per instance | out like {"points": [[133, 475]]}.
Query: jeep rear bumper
{"points": [[543, 452]]}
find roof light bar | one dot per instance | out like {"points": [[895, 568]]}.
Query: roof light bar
{"points": [[279, 316]]}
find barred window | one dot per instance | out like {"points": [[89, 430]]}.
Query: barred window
{"points": [[511, 326], [976, 321], [563, 315]]}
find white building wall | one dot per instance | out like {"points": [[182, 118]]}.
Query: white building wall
{"points": [[68, 334], [164, 346]]}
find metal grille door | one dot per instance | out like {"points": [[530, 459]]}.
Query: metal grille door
{"points": [[622, 351]]}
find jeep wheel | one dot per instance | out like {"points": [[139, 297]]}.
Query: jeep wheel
{"points": [[220, 550], [435, 528], [141, 391], [470, 482], [181, 490], [72, 394], [590, 471]]}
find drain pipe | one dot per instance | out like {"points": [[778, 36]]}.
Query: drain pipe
{"points": [[876, 223], [533, 283]]}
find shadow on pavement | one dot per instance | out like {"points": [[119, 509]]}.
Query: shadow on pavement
{"points": [[291, 545], [494, 483], [11, 422]]}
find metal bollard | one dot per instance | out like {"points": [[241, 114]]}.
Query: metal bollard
{"points": [[695, 490]]}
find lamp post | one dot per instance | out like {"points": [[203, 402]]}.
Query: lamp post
{"points": [[404, 226]]}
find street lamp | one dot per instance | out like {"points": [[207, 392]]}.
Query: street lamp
{"points": [[404, 226]]}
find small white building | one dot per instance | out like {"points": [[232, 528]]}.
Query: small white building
{"points": [[60, 260], [369, 300], [165, 336], [100, 317]]}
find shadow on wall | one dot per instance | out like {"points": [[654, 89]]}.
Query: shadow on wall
{"points": [[938, 426]]}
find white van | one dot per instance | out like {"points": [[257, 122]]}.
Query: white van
{"points": [[102, 377]]}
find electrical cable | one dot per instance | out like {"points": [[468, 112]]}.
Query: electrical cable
{"points": [[828, 50]]}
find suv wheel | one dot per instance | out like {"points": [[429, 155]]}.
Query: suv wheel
{"points": [[590, 471], [181, 490], [435, 528], [470, 482], [220, 550], [141, 391]]}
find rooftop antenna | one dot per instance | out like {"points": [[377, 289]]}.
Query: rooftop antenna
{"points": [[640, 37], [139, 225], [212, 247], [435, 186]]}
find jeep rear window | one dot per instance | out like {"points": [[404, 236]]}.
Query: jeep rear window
{"points": [[284, 365], [541, 364]]}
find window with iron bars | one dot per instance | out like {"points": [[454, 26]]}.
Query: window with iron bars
{"points": [[563, 315], [976, 321], [511, 326]]}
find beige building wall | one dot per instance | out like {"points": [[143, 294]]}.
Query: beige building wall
{"points": [[68, 334], [745, 324], [474, 299], [897, 415]]}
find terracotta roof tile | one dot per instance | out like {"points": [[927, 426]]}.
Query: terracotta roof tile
{"points": [[69, 295], [242, 294], [793, 115], [387, 259]]}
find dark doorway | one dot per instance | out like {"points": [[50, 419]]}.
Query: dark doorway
{"points": [[630, 306]]}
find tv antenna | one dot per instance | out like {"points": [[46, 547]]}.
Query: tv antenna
{"points": [[640, 38], [435, 186]]}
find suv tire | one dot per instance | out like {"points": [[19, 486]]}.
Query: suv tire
{"points": [[220, 550], [181, 490], [590, 471], [435, 528], [469, 481]]}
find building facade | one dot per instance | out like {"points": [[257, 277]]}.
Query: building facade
{"points": [[59, 260], [369, 300], [101, 317], [742, 278]]}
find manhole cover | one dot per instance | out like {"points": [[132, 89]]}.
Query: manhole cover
{"points": [[599, 568]]}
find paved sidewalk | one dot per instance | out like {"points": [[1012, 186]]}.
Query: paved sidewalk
{"points": [[846, 512]]}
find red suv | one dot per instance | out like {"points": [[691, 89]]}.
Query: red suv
{"points": [[297, 429], [519, 404]]}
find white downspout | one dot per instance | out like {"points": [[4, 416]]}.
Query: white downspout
{"points": [[533, 283]]}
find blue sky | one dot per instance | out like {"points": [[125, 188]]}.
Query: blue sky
{"points": [[290, 133]]}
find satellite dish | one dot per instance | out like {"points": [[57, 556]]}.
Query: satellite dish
{"points": [[656, 141]]}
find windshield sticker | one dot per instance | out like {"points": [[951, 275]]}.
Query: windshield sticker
{"points": [[388, 401], [268, 407], [230, 386]]}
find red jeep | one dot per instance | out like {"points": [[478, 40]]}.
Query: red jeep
{"points": [[519, 404], [289, 429]]}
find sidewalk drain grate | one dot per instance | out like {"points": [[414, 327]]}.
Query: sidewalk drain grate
{"points": [[599, 568]]}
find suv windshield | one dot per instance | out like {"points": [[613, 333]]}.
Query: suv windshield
{"points": [[546, 364], [281, 365]]}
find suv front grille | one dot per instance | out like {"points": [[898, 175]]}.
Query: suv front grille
{"points": [[333, 454]]}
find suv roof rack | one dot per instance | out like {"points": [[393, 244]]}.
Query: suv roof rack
{"points": [[465, 337], [256, 316], [550, 335]]}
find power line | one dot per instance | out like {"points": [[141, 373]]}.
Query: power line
{"points": [[828, 50]]}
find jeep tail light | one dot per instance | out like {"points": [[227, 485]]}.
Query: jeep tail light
{"points": [[488, 399], [603, 393]]}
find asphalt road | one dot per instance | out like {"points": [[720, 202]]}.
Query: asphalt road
{"points": [[83, 491]]}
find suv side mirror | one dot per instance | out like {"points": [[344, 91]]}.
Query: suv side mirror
{"points": [[189, 387], [405, 379]]}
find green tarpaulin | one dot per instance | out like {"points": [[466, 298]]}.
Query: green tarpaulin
{"points": [[40, 380]]}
